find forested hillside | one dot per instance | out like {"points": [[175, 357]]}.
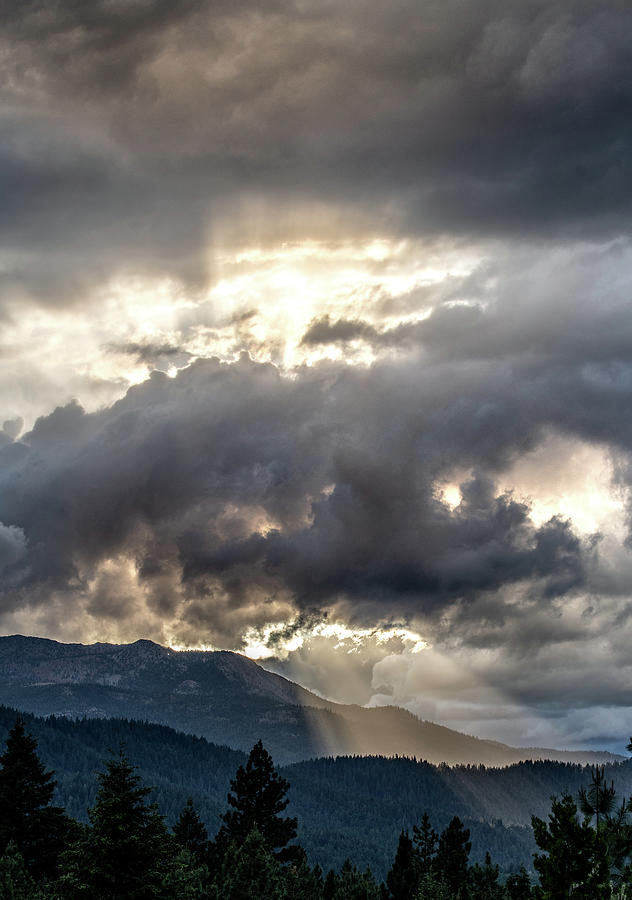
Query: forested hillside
{"points": [[125, 851], [330, 797]]}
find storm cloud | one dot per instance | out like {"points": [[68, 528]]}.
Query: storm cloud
{"points": [[317, 316], [322, 491], [135, 135]]}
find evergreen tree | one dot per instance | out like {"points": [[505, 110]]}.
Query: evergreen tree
{"points": [[190, 832], [518, 885], [330, 885], [402, 879], [485, 881], [432, 888], [303, 882], [598, 799], [258, 796], [185, 878], [574, 861], [616, 831], [425, 839], [356, 885], [250, 871], [15, 881], [38, 829], [318, 875], [452, 859], [127, 853]]}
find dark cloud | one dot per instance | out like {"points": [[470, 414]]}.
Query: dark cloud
{"points": [[12, 546], [324, 331], [232, 483], [76, 215], [143, 127], [151, 139], [155, 355], [233, 495], [12, 427]]}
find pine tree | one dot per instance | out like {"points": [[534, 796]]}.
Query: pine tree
{"points": [[452, 859], [126, 854], [38, 829], [185, 878], [15, 881], [303, 882], [518, 885], [598, 799], [485, 881], [330, 885], [574, 861], [425, 839], [190, 832], [258, 797], [402, 878], [616, 831], [431, 887], [355, 885], [250, 871]]}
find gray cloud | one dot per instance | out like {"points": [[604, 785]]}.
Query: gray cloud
{"points": [[505, 117], [142, 140], [12, 546], [324, 331], [233, 495], [155, 355], [11, 428], [234, 481]]}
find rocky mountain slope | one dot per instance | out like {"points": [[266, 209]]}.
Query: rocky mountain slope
{"points": [[229, 699]]}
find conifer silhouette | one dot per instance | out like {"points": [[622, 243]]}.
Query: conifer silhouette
{"points": [[257, 799], [27, 819]]}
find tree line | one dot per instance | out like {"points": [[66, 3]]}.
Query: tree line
{"points": [[329, 795], [126, 852]]}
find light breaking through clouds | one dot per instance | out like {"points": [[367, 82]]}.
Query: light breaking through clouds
{"points": [[315, 342]]}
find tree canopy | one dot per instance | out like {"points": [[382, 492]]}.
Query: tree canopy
{"points": [[27, 817], [258, 796]]}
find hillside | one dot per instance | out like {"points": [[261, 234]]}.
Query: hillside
{"points": [[330, 796], [229, 699]]}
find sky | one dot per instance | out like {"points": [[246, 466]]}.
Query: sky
{"points": [[316, 344]]}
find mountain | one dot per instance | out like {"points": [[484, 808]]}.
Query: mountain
{"points": [[348, 806], [229, 699]]}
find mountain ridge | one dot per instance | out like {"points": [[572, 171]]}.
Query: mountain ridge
{"points": [[230, 699]]}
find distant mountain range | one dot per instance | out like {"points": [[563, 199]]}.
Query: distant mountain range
{"points": [[229, 699]]}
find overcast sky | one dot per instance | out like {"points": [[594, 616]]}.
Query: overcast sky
{"points": [[316, 342]]}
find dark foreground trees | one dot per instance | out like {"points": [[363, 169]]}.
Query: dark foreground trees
{"points": [[257, 799], [37, 829], [191, 834], [125, 852], [16, 883], [574, 861], [402, 880]]}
